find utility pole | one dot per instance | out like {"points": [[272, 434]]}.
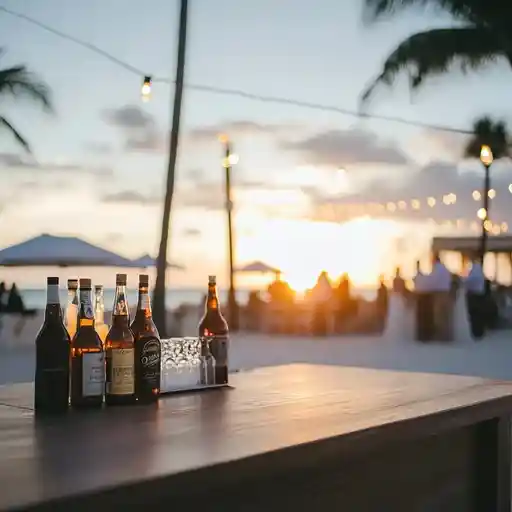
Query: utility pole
{"points": [[159, 311]]}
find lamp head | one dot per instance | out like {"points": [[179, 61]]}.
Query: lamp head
{"points": [[486, 156]]}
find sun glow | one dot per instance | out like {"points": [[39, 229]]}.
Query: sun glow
{"points": [[302, 249]]}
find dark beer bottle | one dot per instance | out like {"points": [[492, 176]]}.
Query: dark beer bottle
{"points": [[87, 355], [147, 347], [214, 326], [120, 350], [51, 382]]}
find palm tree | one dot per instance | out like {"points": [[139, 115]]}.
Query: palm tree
{"points": [[495, 135], [159, 311], [20, 83], [482, 34]]}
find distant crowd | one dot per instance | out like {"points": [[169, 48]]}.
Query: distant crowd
{"points": [[11, 300]]}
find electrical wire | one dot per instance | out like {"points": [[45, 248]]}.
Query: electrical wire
{"points": [[235, 92]]}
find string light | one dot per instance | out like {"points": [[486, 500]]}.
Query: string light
{"points": [[481, 213], [491, 193], [145, 90]]}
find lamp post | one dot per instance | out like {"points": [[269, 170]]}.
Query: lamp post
{"points": [[486, 158], [228, 161]]}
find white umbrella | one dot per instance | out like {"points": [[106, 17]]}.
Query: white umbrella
{"points": [[258, 267], [60, 251], [146, 261]]}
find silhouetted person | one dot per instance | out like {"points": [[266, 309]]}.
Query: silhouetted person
{"points": [[382, 297], [254, 310], [281, 304], [476, 300], [321, 294], [3, 291], [440, 283], [398, 281], [343, 300], [14, 301]]}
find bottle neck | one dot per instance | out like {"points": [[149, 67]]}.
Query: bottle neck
{"points": [[212, 300], [144, 303], [52, 301], [85, 315], [73, 297], [120, 311], [99, 308]]}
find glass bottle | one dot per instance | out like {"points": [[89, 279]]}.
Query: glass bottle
{"points": [[147, 347], [99, 313], [214, 328], [120, 351], [51, 381], [70, 318], [87, 356]]}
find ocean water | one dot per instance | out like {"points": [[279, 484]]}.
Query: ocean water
{"points": [[36, 298]]}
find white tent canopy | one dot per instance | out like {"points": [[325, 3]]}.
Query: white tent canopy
{"points": [[146, 261], [61, 251], [258, 267]]}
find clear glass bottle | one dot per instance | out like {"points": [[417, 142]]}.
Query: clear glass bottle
{"points": [[99, 313], [71, 315]]}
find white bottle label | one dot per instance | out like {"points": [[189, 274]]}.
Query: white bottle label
{"points": [[122, 380], [93, 374]]}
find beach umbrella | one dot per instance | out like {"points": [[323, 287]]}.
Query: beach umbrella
{"points": [[60, 251], [258, 267], [146, 261]]}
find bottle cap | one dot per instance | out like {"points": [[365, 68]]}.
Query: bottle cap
{"points": [[121, 279], [143, 280], [85, 284], [98, 287], [212, 279], [72, 284], [52, 280]]}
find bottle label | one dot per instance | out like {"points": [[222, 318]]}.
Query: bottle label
{"points": [[93, 374], [149, 363], [121, 380], [219, 347]]}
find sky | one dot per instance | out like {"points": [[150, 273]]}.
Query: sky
{"points": [[311, 189]]}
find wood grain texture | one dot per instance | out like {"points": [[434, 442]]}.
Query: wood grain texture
{"points": [[278, 423]]}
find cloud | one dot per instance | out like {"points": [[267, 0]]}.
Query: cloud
{"points": [[138, 128], [435, 179], [191, 232], [129, 116], [132, 197], [234, 128], [99, 148], [24, 162], [339, 148]]}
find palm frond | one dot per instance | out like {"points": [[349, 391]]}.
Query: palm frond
{"points": [[475, 11], [433, 52], [17, 135], [492, 133], [21, 83]]}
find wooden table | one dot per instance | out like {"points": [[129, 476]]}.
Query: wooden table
{"points": [[298, 437]]}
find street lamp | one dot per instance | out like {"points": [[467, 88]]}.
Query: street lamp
{"points": [[228, 161], [486, 158]]}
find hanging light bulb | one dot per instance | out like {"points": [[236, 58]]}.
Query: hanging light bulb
{"points": [[146, 88]]}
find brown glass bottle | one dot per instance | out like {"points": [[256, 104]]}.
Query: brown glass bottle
{"points": [[214, 326], [147, 347], [87, 355], [51, 381], [120, 351]]}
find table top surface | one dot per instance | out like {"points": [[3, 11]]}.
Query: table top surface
{"points": [[269, 411]]}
